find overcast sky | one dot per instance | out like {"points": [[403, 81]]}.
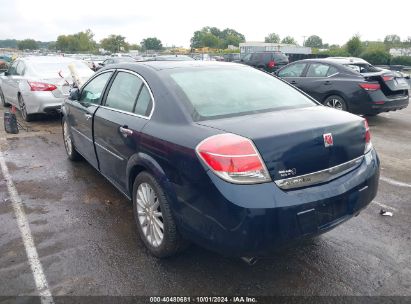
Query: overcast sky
{"points": [[174, 22]]}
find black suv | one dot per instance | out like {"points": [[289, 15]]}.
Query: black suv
{"points": [[268, 61]]}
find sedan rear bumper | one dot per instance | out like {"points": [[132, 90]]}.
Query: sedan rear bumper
{"points": [[42, 102], [255, 220], [381, 103], [389, 105]]}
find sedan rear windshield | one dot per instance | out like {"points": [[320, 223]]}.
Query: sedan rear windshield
{"points": [[53, 69], [225, 92]]}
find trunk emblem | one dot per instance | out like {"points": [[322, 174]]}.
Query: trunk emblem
{"points": [[328, 140]]}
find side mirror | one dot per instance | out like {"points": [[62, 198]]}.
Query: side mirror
{"points": [[74, 94], [101, 64], [6, 73]]}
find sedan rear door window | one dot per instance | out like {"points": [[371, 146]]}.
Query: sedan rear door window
{"points": [[144, 102], [20, 69], [318, 70], [294, 70], [123, 92], [13, 68]]}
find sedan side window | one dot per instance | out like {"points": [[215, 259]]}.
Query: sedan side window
{"points": [[20, 69], [123, 92], [12, 69], [318, 70], [332, 71], [247, 57], [92, 92], [294, 70], [144, 102]]}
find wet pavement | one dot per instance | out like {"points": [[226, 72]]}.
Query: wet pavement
{"points": [[87, 243]]}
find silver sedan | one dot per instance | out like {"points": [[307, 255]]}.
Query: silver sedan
{"points": [[39, 84]]}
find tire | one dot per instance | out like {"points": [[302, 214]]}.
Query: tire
{"points": [[336, 102], [3, 99], [68, 142], [153, 216], [23, 111]]}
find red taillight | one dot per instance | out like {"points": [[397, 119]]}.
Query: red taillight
{"points": [[387, 78], [370, 86], [41, 86], [271, 64], [368, 144], [233, 158]]}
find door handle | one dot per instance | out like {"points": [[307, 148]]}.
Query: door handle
{"points": [[88, 116], [293, 82], [327, 82], [125, 131]]}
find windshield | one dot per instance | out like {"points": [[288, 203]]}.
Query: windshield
{"points": [[225, 92], [53, 69]]}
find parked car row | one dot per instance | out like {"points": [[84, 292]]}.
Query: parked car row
{"points": [[349, 84]]}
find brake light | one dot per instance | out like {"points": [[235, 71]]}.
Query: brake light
{"points": [[271, 64], [387, 78], [368, 144], [370, 86], [41, 86], [233, 158]]}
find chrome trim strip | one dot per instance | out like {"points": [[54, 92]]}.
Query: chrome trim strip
{"points": [[124, 112], [112, 153], [319, 176], [78, 132]]}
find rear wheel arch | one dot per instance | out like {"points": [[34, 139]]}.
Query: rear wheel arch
{"points": [[140, 162], [337, 93], [339, 96]]}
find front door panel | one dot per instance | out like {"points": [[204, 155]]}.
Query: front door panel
{"points": [[81, 122], [117, 138]]}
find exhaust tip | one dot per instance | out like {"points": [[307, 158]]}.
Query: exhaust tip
{"points": [[250, 260]]}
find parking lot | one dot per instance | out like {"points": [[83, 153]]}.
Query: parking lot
{"points": [[86, 240]]}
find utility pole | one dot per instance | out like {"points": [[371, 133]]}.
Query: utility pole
{"points": [[304, 40]]}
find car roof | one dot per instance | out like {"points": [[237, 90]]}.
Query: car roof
{"points": [[334, 63], [48, 59], [347, 60], [164, 65]]}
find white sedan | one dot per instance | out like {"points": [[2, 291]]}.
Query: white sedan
{"points": [[39, 84]]}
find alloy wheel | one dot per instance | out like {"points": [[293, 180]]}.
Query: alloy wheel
{"points": [[335, 103], [22, 106], [67, 139], [149, 214], [3, 99]]}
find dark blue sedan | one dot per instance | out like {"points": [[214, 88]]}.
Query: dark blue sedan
{"points": [[220, 154]]}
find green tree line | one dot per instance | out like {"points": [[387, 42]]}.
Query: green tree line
{"points": [[376, 52]]}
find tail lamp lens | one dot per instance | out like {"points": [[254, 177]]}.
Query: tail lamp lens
{"points": [[41, 86], [233, 158], [387, 78], [368, 144], [370, 86], [271, 64]]}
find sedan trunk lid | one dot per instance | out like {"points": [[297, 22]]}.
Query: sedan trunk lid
{"points": [[299, 141]]}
